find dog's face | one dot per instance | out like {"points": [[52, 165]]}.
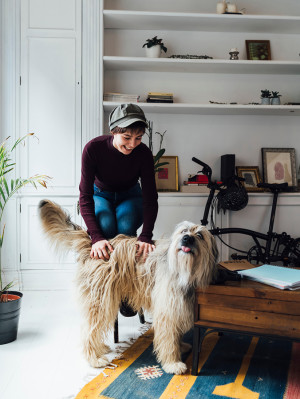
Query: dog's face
{"points": [[193, 253]]}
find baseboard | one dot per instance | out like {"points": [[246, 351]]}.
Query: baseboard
{"points": [[48, 279]]}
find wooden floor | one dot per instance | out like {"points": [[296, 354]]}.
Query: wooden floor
{"points": [[46, 362]]}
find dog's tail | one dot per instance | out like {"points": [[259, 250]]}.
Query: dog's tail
{"points": [[62, 232]]}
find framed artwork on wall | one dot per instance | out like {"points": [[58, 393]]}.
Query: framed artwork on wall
{"points": [[252, 177], [167, 177], [258, 50], [279, 165]]}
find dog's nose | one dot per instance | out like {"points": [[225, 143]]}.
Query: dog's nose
{"points": [[186, 239]]}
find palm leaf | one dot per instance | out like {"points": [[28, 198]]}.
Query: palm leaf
{"points": [[2, 194], [6, 186], [9, 187], [20, 140], [159, 154]]}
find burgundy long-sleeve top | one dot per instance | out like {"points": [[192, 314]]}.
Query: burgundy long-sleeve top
{"points": [[111, 170]]}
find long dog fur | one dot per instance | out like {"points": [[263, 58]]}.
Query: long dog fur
{"points": [[164, 284]]}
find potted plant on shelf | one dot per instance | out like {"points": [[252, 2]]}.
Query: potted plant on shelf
{"points": [[154, 47], [161, 151], [10, 301], [275, 98], [265, 97]]}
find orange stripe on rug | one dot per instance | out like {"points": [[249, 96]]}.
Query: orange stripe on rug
{"points": [[293, 384], [181, 384], [236, 389], [93, 389]]}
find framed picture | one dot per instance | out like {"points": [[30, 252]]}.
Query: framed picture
{"points": [[251, 175], [167, 178], [258, 50], [279, 165]]}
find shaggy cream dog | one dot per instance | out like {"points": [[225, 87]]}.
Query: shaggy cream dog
{"points": [[163, 284]]}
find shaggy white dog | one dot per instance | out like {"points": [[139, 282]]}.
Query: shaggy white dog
{"points": [[163, 284]]}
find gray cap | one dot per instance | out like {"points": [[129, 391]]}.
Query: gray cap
{"points": [[126, 114]]}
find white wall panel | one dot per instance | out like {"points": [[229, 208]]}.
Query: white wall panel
{"points": [[54, 14], [52, 109]]}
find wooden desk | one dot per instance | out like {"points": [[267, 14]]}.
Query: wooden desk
{"points": [[246, 307]]}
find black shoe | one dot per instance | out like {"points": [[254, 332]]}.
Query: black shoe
{"points": [[127, 310]]}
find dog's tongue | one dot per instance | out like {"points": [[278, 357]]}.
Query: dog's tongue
{"points": [[185, 249]]}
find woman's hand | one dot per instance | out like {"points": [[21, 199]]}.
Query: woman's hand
{"points": [[101, 250], [144, 248]]}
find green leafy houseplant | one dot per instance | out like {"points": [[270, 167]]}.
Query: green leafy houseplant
{"points": [[265, 94], [161, 151], [275, 94], [155, 42], [8, 188]]}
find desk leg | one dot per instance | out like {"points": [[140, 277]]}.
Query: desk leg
{"points": [[196, 350]]}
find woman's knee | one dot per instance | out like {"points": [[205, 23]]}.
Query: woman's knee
{"points": [[105, 216], [107, 223], [129, 223]]}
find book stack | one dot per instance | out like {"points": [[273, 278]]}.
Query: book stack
{"points": [[121, 98], [195, 184], [276, 276], [156, 97]]}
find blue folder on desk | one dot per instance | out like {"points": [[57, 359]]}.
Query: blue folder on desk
{"points": [[276, 276]]}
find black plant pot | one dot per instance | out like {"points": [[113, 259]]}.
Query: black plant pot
{"points": [[9, 318]]}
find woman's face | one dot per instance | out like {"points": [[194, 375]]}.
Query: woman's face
{"points": [[126, 142]]}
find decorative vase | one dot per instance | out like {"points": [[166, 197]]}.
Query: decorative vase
{"points": [[275, 101], [265, 101], [9, 317], [153, 52]]}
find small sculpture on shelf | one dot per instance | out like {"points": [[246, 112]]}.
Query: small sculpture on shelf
{"points": [[265, 97], [234, 54], [154, 47]]}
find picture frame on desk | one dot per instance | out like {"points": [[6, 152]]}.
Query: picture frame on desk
{"points": [[279, 165], [252, 177], [258, 50], [167, 177]]}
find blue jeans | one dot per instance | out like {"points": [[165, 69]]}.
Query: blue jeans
{"points": [[119, 212]]}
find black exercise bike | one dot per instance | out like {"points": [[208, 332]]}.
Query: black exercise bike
{"points": [[273, 247]]}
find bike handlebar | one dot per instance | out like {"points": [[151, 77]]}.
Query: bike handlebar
{"points": [[206, 169], [200, 163]]}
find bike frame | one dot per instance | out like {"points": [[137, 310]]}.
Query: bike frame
{"points": [[265, 254]]}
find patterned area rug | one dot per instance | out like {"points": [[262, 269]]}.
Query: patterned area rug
{"points": [[231, 366]]}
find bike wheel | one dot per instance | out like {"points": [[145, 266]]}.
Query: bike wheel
{"points": [[291, 254], [253, 255]]}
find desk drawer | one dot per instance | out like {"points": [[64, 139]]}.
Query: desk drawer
{"points": [[246, 303]]}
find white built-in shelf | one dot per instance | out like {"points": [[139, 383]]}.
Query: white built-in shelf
{"points": [[212, 109], [144, 20], [258, 199], [201, 65]]}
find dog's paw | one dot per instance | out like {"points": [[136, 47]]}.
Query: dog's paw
{"points": [[98, 363], [185, 347], [175, 368]]}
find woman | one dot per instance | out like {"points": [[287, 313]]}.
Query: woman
{"points": [[111, 199]]}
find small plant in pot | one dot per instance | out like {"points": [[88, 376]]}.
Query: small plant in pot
{"points": [[265, 97], [275, 98], [154, 47], [10, 301], [161, 151]]}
